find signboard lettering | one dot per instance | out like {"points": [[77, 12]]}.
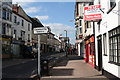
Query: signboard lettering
{"points": [[92, 12]]}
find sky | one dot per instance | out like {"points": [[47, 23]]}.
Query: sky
{"points": [[58, 15]]}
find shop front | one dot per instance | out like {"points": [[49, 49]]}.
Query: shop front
{"points": [[90, 51], [6, 47]]}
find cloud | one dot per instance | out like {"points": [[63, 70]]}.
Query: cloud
{"points": [[32, 9], [42, 17], [58, 28]]}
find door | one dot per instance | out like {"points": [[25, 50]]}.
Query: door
{"points": [[99, 53], [87, 53]]}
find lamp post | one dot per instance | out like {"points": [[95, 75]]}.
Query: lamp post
{"points": [[66, 42]]}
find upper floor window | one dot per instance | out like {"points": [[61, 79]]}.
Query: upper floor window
{"points": [[8, 16], [80, 23], [87, 24], [91, 3], [28, 27], [112, 4], [4, 14], [105, 44], [15, 19], [3, 28], [22, 23], [80, 30], [28, 36]]}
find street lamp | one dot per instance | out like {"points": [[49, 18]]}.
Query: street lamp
{"points": [[66, 42]]}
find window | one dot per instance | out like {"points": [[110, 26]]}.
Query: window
{"points": [[22, 23], [28, 36], [4, 14], [28, 27], [10, 16], [87, 24], [80, 23], [114, 45], [23, 35], [112, 4], [91, 3], [15, 34], [105, 44], [80, 30], [15, 19], [99, 2], [3, 28]]}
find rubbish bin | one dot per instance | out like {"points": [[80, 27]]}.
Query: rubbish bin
{"points": [[44, 67]]}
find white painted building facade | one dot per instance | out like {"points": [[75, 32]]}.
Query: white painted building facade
{"points": [[83, 28], [21, 28], [107, 38], [21, 31]]}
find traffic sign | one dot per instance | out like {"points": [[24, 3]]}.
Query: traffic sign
{"points": [[40, 30]]}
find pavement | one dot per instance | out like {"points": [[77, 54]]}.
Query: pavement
{"points": [[73, 68]]}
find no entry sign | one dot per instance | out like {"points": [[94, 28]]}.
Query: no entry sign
{"points": [[92, 12]]}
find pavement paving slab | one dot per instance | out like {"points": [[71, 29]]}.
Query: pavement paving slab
{"points": [[74, 68]]}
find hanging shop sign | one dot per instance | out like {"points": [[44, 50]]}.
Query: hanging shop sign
{"points": [[92, 12]]}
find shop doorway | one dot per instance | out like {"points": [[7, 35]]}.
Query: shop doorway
{"points": [[99, 40]]}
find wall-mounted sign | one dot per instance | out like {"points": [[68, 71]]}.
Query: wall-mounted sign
{"points": [[92, 12], [40, 30]]}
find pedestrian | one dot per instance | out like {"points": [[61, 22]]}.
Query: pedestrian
{"points": [[70, 51]]}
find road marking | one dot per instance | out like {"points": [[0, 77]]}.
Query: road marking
{"points": [[33, 76]]}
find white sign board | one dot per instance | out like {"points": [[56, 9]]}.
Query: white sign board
{"points": [[92, 12], [40, 30]]}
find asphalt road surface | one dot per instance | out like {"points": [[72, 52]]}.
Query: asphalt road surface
{"points": [[22, 70]]}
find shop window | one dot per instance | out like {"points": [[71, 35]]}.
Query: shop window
{"points": [[105, 44], [114, 45], [92, 50]]}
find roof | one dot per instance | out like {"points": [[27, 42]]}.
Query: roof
{"points": [[35, 23], [19, 11]]}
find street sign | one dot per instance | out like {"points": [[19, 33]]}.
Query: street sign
{"points": [[40, 30]]}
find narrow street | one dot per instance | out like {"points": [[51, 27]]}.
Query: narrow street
{"points": [[74, 68], [59, 39]]}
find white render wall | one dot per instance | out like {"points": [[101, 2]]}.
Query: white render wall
{"points": [[109, 21], [19, 27]]}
